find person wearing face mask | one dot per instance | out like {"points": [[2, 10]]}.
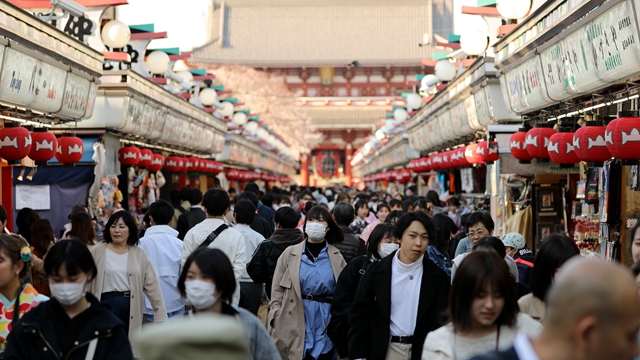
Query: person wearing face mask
{"points": [[73, 324], [208, 282], [303, 286], [381, 244], [516, 248]]}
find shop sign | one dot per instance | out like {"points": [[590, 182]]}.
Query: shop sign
{"points": [[75, 97], [459, 119], [93, 92], [472, 114], [526, 87], [158, 118], [147, 120], [134, 114], [482, 108], [553, 168], [169, 131]]}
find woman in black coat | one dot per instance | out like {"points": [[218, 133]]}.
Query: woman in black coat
{"points": [[73, 324]]}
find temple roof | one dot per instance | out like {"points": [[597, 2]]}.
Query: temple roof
{"points": [[346, 117], [294, 33]]}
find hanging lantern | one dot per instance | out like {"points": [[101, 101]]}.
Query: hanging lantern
{"points": [[174, 164], [518, 146], [561, 148], [460, 157], [537, 142], [70, 149], [404, 175], [623, 137], [232, 174], [156, 163], [436, 161], [44, 145], [129, 155], [191, 164], [146, 156], [203, 166], [488, 151], [219, 167], [590, 145], [471, 154], [15, 142]]}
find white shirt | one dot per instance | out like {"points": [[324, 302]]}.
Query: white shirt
{"points": [[523, 348], [252, 239], [406, 281], [115, 272], [230, 241], [164, 250]]}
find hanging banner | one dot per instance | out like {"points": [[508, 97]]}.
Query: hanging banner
{"points": [[75, 98], [525, 86]]}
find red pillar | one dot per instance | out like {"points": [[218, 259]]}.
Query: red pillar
{"points": [[348, 154], [7, 194], [304, 170]]}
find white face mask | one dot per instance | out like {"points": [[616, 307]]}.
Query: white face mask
{"points": [[315, 231], [387, 248], [200, 293], [67, 293]]}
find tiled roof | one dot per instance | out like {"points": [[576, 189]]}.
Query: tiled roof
{"points": [[318, 33], [345, 117]]}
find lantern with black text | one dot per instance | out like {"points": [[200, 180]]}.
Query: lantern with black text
{"points": [[561, 148], [537, 141], [518, 146], [43, 146], [488, 152], [70, 149], [146, 156], [156, 163], [129, 155], [174, 164], [590, 145], [623, 137], [15, 142]]}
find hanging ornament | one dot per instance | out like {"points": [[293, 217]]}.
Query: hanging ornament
{"points": [[15, 142], [129, 155], [518, 146], [174, 164], [44, 145], [203, 166], [471, 154], [623, 137], [561, 148], [488, 152], [537, 142], [70, 149], [146, 156], [232, 174], [156, 163], [590, 145]]}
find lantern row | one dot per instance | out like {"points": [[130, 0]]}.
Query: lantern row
{"points": [[240, 175], [482, 153], [16, 143], [402, 176], [145, 158]]}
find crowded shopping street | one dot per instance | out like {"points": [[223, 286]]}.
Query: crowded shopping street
{"points": [[320, 179]]}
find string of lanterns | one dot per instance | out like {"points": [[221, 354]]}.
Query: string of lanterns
{"points": [[17, 143]]}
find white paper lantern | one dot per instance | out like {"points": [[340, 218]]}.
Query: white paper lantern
{"points": [[239, 118], [208, 96], [414, 101], [474, 42], [227, 109], [366, 148], [380, 134], [262, 133], [513, 9], [186, 76], [251, 126], [157, 62], [116, 34], [400, 115], [445, 70]]}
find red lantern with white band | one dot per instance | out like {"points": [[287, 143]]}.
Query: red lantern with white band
{"points": [[488, 152], [15, 142], [590, 145], [537, 142], [518, 146], [44, 145], [623, 137], [156, 163], [174, 164], [129, 155], [70, 149], [561, 148], [146, 156]]}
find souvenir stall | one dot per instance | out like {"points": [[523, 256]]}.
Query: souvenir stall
{"points": [[48, 82], [572, 81]]}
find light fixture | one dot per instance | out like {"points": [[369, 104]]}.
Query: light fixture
{"points": [[474, 41], [187, 80], [414, 101], [400, 115], [262, 133], [251, 126], [445, 70], [239, 118], [380, 134], [157, 62], [513, 9], [32, 173], [225, 109], [208, 96], [116, 34], [21, 175]]}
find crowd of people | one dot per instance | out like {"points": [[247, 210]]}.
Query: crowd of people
{"points": [[307, 274]]}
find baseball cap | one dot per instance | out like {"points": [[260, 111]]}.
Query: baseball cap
{"points": [[514, 240]]}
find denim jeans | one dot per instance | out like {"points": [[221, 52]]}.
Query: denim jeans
{"points": [[120, 306], [149, 318]]}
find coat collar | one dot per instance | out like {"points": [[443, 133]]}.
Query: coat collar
{"points": [[161, 230], [296, 257]]}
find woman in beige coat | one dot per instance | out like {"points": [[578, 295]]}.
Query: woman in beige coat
{"points": [[124, 273], [303, 285]]}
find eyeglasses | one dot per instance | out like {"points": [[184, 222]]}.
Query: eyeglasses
{"points": [[479, 233]]}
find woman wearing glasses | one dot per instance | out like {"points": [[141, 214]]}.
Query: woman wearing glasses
{"points": [[479, 224]]}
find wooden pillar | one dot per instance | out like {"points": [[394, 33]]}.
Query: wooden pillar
{"points": [[304, 170]]}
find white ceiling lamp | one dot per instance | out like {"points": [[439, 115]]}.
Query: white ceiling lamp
{"points": [[474, 41], [400, 115], [445, 70], [157, 62], [380, 134], [226, 109], [414, 101], [251, 126], [115, 34], [187, 80], [262, 133], [239, 118], [208, 96], [513, 9]]}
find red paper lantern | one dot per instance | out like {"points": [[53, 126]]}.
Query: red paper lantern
{"points": [[561, 148], [518, 146], [232, 174], [471, 154], [203, 166], [404, 175], [44, 145], [146, 156], [458, 158], [191, 164], [15, 142], [174, 164], [156, 163], [623, 138], [436, 161], [70, 149], [537, 141], [488, 152], [590, 145], [218, 167], [129, 155]]}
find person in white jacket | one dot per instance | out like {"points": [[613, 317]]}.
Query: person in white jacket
{"points": [[483, 312]]}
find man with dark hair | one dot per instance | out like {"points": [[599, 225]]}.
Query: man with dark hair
{"points": [[259, 224], [395, 205], [216, 202], [193, 216], [479, 224], [263, 264], [352, 246], [250, 292], [174, 195], [182, 207], [164, 250], [265, 209]]}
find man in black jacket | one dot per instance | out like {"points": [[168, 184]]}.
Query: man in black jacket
{"points": [[400, 298], [352, 246], [259, 224], [194, 216], [263, 264]]}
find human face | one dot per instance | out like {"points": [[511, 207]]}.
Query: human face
{"points": [[453, 208], [63, 277], [486, 307], [510, 251], [307, 197], [635, 247], [382, 213], [119, 232], [477, 232], [430, 209], [413, 243], [390, 238], [8, 271], [363, 211], [194, 273]]}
